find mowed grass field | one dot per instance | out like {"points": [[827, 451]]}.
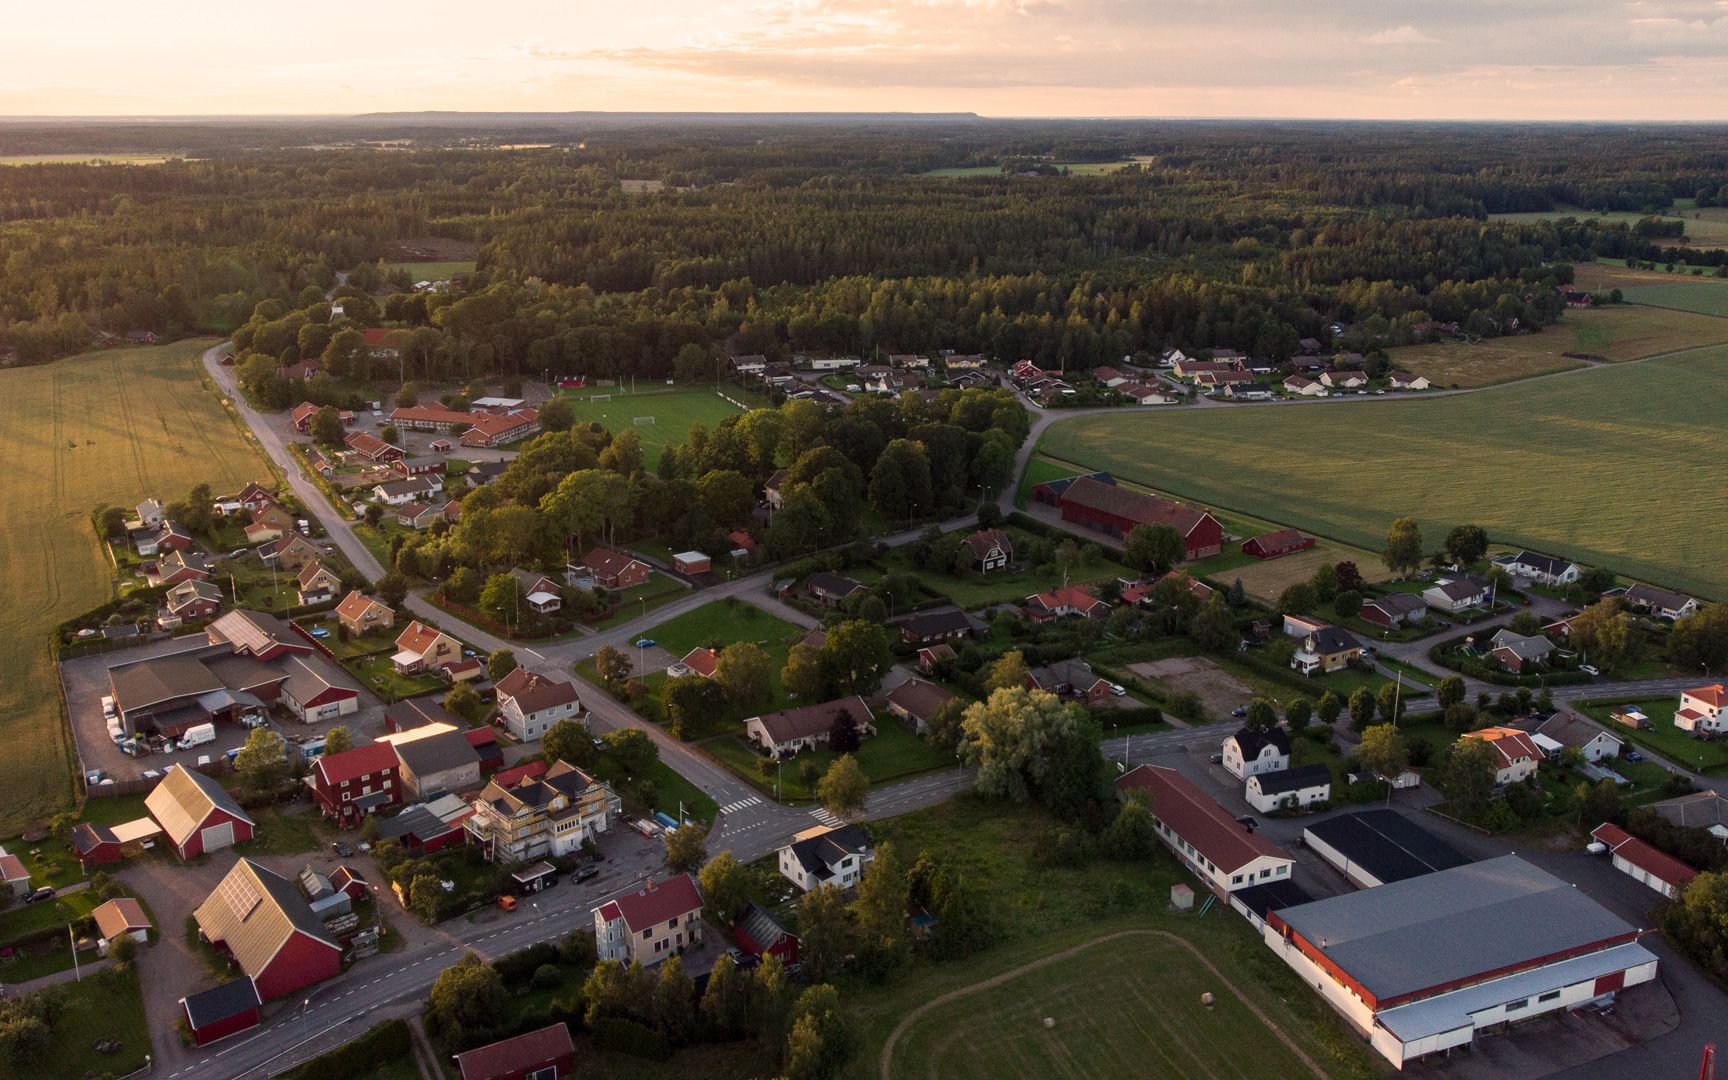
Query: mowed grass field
{"points": [[112, 427], [1680, 291], [674, 410], [436, 271], [1126, 1005], [1618, 332], [1614, 466], [1707, 228]]}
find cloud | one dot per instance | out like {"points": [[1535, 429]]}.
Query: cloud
{"points": [[1403, 35]]}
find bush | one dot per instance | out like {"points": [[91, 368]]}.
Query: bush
{"points": [[629, 1037], [523, 964], [384, 1044], [546, 976]]}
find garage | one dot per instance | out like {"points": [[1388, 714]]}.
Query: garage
{"points": [[218, 836]]}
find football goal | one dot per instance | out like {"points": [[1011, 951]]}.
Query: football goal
{"points": [[641, 421]]}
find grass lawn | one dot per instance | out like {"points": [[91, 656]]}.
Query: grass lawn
{"points": [[1039, 470], [114, 811], [1663, 737], [669, 788], [1625, 452], [723, 623], [283, 834], [894, 751], [674, 411], [1412, 673], [353, 646], [380, 675], [435, 271], [115, 427], [30, 919], [1348, 681], [658, 589], [108, 1005], [1000, 587]]}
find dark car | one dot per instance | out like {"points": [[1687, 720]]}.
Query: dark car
{"points": [[341, 848], [585, 873], [44, 893]]}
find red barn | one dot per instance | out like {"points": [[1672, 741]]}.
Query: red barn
{"points": [[1109, 508], [543, 1054], [225, 1010], [95, 845], [760, 934], [259, 918], [1273, 544], [354, 783], [197, 814]]}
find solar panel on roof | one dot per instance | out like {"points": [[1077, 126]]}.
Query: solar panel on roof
{"points": [[241, 895]]}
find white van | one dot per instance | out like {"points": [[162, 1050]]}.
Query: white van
{"points": [[197, 735]]}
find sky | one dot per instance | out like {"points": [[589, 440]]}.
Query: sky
{"points": [[1371, 59]]}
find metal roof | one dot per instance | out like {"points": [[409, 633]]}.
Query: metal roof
{"points": [[1386, 844], [1452, 925]]}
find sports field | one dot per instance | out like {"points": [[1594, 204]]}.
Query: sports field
{"points": [[1127, 1004], [1615, 466], [108, 427], [673, 411], [436, 271], [1704, 228]]}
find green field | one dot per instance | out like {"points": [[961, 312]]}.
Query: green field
{"points": [[1662, 736], [674, 412], [1704, 228], [435, 271], [1613, 466], [108, 427], [975, 590], [1127, 1005], [718, 624], [894, 751], [1075, 168], [106, 1005]]}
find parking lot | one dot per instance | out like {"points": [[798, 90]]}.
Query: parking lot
{"points": [[85, 679]]}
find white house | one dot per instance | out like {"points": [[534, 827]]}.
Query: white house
{"points": [[1456, 594], [1303, 386], [1516, 754], [1207, 838], [1564, 729], [1701, 710], [826, 855], [1289, 789], [1661, 603], [1542, 569], [403, 492], [1403, 380], [530, 703], [1249, 752]]}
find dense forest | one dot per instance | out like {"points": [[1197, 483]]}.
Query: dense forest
{"points": [[803, 234]]}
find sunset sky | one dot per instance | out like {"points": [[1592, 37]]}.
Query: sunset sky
{"points": [[1489, 59]]}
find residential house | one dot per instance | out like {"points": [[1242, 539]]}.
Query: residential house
{"points": [[990, 550], [1574, 297], [929, 627], [259, 918], [539, 592], [196, 813], [542, 1054], [757, 933], [1072, 680], [1111, 509], [291, 552], [1516, 754], [1542, 569], [541, 817], [1251, 751], [1394, 610], [699, 662], [1643, 862], [178, 566], [608, 569], [118, 918], [1213, 380], [933, 657], [1222, 852], [829, 589], [1330, 648], [149, 514], [302, 415], [1457, 594], [1273, 544], [403, 492], [1071, 600], [1518, 653], [425, 465], [827, 855], [1248, 391], [1564, 729], [1300, 626], [14, 877], [773, 489], [187, 602], [318, 584], [421, 648], [298, 372], [352, 784], [809, 727], [371, 447], [272, 515], [650, 925], [1403, 380], [1702, 712], [1661, 603], [1343, 379], [1148, 394], [1298, 788], [1707, 810], [916, 701], [420, 516], [314, 697], [1303, 386], [530, 703], [1109, 376], [434, 762], [481, 473], [360, 614], [749, 364]]}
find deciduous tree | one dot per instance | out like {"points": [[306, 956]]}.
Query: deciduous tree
{"points": [[1403, 553], [844, 787]]}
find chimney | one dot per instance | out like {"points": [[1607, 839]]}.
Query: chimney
{"points": [[651, 886]]}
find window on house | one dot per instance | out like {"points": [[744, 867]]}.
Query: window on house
{"points": [[1514, 1006], [1282, 870], [645, 934], [1236, 879], [1552, 995]]}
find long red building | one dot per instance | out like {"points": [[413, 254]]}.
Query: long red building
{"points": [[1112, 509]]}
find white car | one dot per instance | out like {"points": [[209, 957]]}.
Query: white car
{"points": [[108, 710], [1589, 669], [1118, 690]]}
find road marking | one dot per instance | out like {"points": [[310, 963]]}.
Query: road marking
{"points": [[821, 814], [733, 808]]}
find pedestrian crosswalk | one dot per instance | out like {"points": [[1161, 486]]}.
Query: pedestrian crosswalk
{"points": [[826, 818], [741, 804]]}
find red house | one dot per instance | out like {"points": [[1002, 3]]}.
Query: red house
{"points": [[613, 570], [259, 918], [302, 416], [196, 813], [1273, 544], [226, 1010], [544, 1054], [1109, 508], [357, 782], [758, 933], [95, 845]]}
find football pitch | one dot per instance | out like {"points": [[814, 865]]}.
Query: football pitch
{"points": [[661, 416]]}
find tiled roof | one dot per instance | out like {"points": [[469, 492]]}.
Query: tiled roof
{"points": [[533, 693], [353, 764], [812, 719], [1658, 864], [1199, 819], [659, 903], [1132, 505]]}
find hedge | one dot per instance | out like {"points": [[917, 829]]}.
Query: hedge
{"points": [[380, 1046], [518, 967], [1442, 654], [629, 1037]]}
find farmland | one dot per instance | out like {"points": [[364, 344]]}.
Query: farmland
{"points": [[675, 412], [107, 427], [1590, 466], [1705, 294], [1704, 228]]}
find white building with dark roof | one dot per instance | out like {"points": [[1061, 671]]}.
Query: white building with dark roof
{"points": [[827, 855]]}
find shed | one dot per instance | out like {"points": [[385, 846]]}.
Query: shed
{"points": [[121, 916], [691, 562], [225, 1010]]}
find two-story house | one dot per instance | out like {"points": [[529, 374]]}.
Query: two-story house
{"points": [[423, 648], [361, 614], [826, 855], [354, 783], [1516, 754], [662, 919], [437, 761], [1701, 710], [538, 817], [1250, 752], [318, 584], [531, 703], [989, 549], [1330, 648]]}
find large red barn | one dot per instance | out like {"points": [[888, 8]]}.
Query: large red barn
{"points": [[259, 918], [197, 813], [1112, 509]]}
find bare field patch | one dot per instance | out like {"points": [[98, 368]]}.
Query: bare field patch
{"points": [[1265, 579], [1219, 690]]}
